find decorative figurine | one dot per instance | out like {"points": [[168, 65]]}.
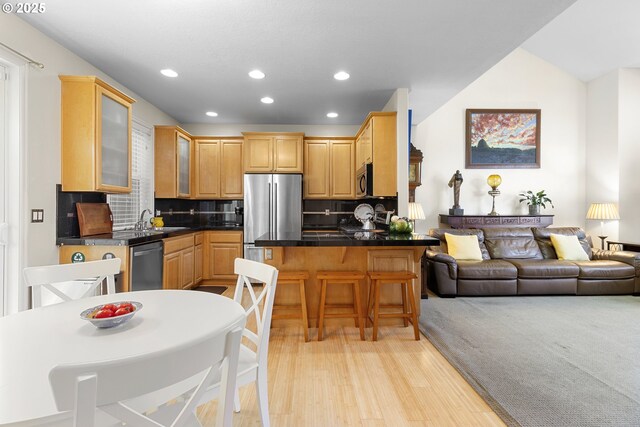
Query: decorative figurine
{"points": [[456, 182]]}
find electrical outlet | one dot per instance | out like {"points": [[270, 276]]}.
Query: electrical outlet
{"points": [[37, 215], [268, 254]]}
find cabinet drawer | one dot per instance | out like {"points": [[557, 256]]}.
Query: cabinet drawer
{"points": [[199, 238], [224, 236], [174, 244]]}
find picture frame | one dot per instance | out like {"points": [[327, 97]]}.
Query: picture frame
{"points": [[502, 138]]}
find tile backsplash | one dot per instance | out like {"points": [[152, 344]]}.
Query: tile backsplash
{"points": [[66, 215], [176, 212], [321, 220]]}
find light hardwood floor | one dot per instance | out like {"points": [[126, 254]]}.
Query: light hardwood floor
{"points": [[343, 381]]}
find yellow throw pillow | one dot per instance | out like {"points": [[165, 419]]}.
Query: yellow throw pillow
{"points": [[463, 247], [568, 248]]}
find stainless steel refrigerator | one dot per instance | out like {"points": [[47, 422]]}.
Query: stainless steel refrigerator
{"points": [[272, 204]]}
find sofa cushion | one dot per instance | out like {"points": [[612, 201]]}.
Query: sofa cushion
{"points": [[463, 247], [604, 270], [545, 268], [543, 237], [439, 233], [511, 243], [568, 248], [488, 269]]}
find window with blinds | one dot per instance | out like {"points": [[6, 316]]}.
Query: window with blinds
{"points": [[126, 208]]}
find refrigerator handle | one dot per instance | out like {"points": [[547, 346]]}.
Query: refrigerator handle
{"points": [[269, 210], [275, 209]]}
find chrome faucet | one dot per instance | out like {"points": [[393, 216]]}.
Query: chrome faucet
{"points": [[140, 225]]}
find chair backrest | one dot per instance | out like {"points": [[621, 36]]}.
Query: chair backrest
{"points": [[71, 281], [83, 387], [268, 276]]}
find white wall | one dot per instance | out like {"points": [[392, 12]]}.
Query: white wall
{"points": [[521, 80], [42, 127], [629, 154], [602, 170], [237, 129]]}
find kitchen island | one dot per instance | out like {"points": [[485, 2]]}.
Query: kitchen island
{"points": [[363, 251]]}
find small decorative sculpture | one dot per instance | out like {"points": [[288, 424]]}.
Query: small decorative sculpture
{"points": [[455, 182]]}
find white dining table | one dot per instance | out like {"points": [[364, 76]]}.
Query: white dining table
{"points": [[32, 342]]}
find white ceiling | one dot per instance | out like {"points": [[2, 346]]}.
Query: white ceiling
{"points": [[433, 47], [591, 38]]}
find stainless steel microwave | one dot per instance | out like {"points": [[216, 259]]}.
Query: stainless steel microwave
{"points": [[364, 181]]}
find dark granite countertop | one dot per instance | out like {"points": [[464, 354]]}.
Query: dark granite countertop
{"points": [[338, 238], [133, 237]]}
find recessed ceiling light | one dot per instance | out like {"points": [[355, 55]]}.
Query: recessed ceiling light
{"points": [[211, 114], [266, 100], [341, 75], [332, 115], [256, 74], [169, 72]]}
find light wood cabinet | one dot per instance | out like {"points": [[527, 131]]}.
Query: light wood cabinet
{"points": [[221, 248], [273, 152], [218, 168], [173, 162], [179, 262], [198, 258], [329, 168], [376, 143], [96, 136], [188, 264], [171, 274]]}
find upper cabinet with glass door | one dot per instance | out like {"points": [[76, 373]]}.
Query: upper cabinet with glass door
{"points": [[96, 136], [173, 162]]}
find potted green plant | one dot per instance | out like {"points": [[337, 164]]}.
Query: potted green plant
{"points": [[535, 200]]}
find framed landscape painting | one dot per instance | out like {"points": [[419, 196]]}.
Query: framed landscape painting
{"points": [[503, 139]]}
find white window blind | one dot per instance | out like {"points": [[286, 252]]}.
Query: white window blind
{"points": [[126, 208]]}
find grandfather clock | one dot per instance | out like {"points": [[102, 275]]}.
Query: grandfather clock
{"points": [[415, 171]]}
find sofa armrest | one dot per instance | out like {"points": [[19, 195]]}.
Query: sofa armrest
{"points": [[447, 259], [627, 257]]}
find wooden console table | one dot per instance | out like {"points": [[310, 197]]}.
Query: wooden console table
{"points": [[622, 246], [486, 221]]}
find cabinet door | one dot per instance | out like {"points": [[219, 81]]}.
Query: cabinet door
{"points": [[367, 144], [197, 262], [316, 169], [187, 260], [184, 165], [342, 170], [288, 154], [113, 142], [231, 170], [258, 154], [171, 277], [207, 169], [221, 259]]}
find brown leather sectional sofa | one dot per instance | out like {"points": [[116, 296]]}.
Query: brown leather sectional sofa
{"points": [[522, 261]]}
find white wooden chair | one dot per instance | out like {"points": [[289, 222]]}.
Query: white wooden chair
{"points": [[99, 391], [252, 366], [66, 282]]}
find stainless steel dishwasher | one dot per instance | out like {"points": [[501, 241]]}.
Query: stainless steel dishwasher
{"points": [[146, 266]]}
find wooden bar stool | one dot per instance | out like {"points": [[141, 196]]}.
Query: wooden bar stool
{"points": [[404, 279], [346, 278], [294, 278]]}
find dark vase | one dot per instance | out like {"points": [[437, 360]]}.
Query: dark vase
{"points": [[534, 209]]}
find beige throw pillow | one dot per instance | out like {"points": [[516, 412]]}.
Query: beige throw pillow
{"points": [[463, 247], [568, 248]]}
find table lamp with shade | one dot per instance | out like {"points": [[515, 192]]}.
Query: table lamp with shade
{"points": [[603, 212], [415, 212]]}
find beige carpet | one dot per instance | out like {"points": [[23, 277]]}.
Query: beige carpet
{"points": [[545, 361]]}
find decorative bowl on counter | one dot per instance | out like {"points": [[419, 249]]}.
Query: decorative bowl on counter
{"points": [[400, 226], [113, 320]]}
